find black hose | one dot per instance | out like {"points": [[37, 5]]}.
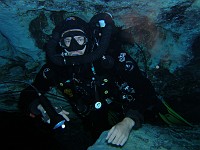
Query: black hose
{"points": [[144, 58], [4, 82]]}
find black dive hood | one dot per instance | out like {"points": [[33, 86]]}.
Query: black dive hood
{"points": [[59, 60]]}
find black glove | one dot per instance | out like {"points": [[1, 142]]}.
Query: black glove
{"points": [[94, 21], [96, 26]]}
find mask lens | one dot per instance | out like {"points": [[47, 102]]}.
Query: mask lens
{"points": [[67, 41], [81, 40]]}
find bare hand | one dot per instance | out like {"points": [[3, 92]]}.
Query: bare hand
{"points": [[119, 133]]}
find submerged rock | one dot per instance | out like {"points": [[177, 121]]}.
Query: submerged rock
{"points": [[151, 137]]}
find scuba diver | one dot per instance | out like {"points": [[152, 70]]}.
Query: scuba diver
{"points": [[100, 80]]}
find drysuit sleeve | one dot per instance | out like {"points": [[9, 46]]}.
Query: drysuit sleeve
{"points": [[144, 92], [28, 100]]}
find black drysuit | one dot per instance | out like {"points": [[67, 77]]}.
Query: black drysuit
{"points": [[102, 90], [118, 84]]}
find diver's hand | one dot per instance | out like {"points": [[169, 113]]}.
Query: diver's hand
{"points": [[46, 117], [119, 133]]}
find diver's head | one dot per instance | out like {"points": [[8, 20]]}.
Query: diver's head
{"points": [[74, 37]]}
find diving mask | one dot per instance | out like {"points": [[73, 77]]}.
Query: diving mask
{"points": [[74, 40]]}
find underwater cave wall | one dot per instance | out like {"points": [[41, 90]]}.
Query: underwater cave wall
{"points": [[166, 33]]}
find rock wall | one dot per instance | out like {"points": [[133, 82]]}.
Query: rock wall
{"points": [[166, 35]]}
